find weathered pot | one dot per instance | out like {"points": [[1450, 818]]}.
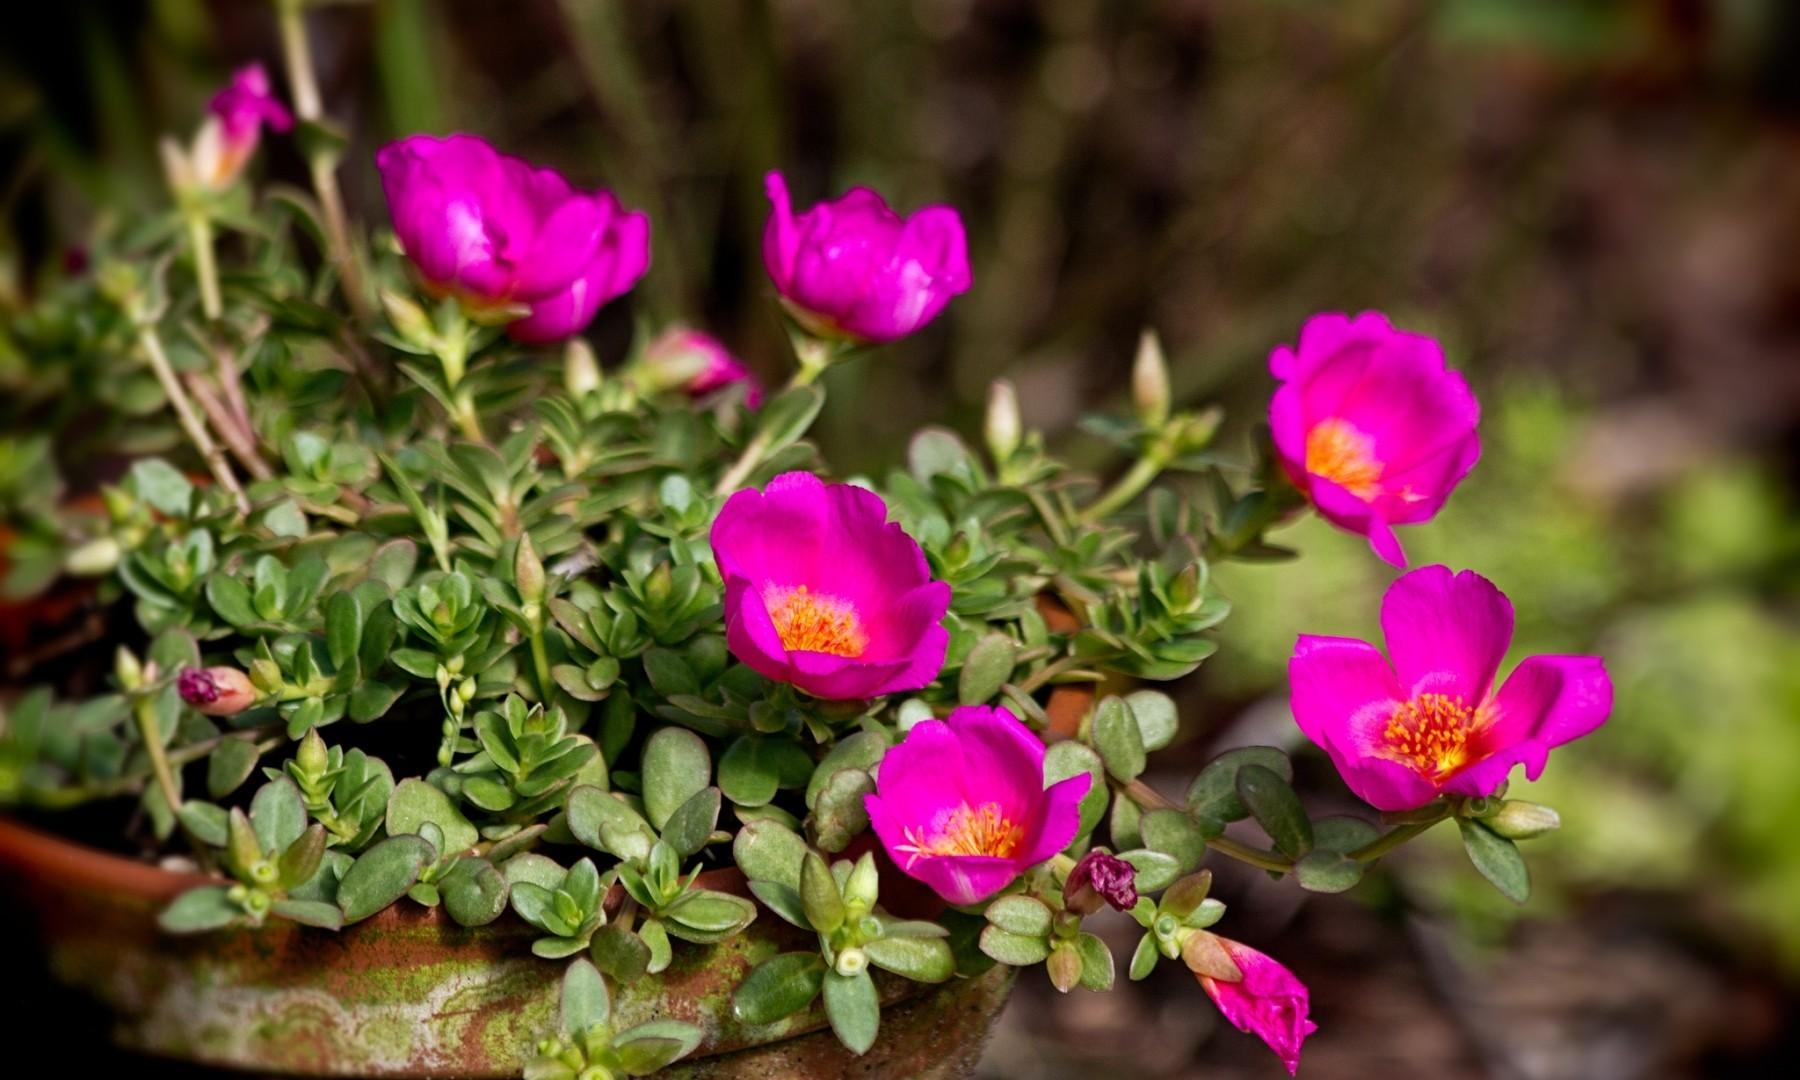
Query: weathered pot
{"points": [[408, 993]]}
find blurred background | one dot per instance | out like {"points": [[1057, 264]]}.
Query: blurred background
{"points": [[1594, 204]]}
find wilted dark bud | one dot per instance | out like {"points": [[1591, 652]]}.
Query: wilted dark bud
{"points": [[1099, 878]]}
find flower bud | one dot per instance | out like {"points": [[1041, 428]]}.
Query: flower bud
{"points": [[1100, 878], [861, 888], [94, 558], [581, 370], [312, 757], [1150, 382], [1002, 428], [216, 691], [127, 669], [1518, 820], [1257, 995], [528, 571], [409, 320]]}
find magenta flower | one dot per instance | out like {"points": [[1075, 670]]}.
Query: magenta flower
{"points": [[961, 805], [1268, 1002], [699, 364], [821, 591], [855, 270], [1433, 724], [498, 234], [240, 110], [1370, 425]]}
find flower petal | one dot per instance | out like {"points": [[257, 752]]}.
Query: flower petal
{"points": [[1447, 633]]}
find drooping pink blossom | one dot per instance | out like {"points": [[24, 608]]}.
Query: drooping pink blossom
{"points": [[960, 804], [240, 110], [698, 363], [823, 592], [1433, 723], [853, 269], [1370, 424], [498, 233], [1268, 1002]]}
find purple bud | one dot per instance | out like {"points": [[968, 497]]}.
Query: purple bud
{"points": [[1099, 876], [197, 686]]}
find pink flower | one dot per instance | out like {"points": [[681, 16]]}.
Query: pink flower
{"points": [[854, 269], [1370, 425], [496, 233], [961, 804], [1433, 724], [822, 592], [239, 112], [216, 691], [698, 363], [1268, 1002]]}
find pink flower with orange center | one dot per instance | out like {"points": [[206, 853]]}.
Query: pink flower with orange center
{"points": [[1433, 723], [823, 592], [961, 804], [1371, 425]]}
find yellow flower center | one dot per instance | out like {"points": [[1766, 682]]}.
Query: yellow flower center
{"points": [[1345, 456], [815, 622], [1432, 734], [967, 831]]}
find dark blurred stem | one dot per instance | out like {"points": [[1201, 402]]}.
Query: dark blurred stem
{"points": [[191, 423], [1149, 798], [321, 157]]}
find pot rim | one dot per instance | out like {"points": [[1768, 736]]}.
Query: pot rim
{"points": [[29, 848]]}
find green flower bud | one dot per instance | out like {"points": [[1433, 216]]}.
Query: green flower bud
{"points": [[409, 320], [312, 757], [94, 558], [1150, 382], [127, 669], [581, 371], [1523, 820], [1003, 426]]}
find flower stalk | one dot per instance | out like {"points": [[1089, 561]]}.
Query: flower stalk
{"points": [[321, 157], [151, 343]]}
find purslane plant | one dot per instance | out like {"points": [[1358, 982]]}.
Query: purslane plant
{"points": [[633, 634]]}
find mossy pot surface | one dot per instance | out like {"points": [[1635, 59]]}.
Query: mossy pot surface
{"points": [[408, 993]]}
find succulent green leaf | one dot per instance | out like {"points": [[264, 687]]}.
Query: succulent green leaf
{"points": [[381, 875], [779, 987], [854, 1008], [1271, 800], [1498, 859], [676, 767]]}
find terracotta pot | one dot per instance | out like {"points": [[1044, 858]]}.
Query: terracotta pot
{"points": [[408, 993]]}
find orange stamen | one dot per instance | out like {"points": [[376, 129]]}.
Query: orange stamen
{"points": [[1432, 734], [1345, 456], [981, 831], [815, 622]]}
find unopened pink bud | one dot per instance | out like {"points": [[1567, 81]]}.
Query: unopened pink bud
{"points": [[216, 691]]}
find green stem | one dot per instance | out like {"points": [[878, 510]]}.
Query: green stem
{"points": [[144, 708], [190, 421], [1393, 838], [206, 270], [1150, 799], [321, 157], [467, 421], [1147, 469], [540, 661]]}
